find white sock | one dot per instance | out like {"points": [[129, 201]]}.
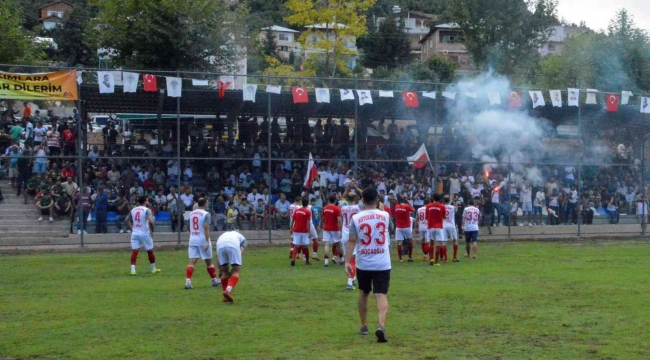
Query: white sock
{"points": [[132, 268], [187, 281], [315, 255], [152, 266], [350, 281], [229, 288]]}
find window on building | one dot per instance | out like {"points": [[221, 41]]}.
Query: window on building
{"points": [[55, 13], [284, 37], [284, 48], [551, 47], [449, 37]]}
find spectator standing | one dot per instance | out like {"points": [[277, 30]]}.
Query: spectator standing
{"points": [[16, 132], [29, 133], [123, 210], [172, 205], [14, 155], [84, 202], [101, 208], [40, 162], [69, 141], [54, 141], [40, 133]]}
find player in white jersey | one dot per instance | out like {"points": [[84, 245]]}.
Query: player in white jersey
{"points": [[471, 216], [347, 212], [230, 247], [423, 230], [140, 222], [449, 228], [369, 237], [199, 244]]}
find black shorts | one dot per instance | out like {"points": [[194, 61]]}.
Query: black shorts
{"points": [[45, 211], [471, 236], [375, 281]]}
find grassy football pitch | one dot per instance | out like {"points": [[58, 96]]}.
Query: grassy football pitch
{"points": [[517, 301]]}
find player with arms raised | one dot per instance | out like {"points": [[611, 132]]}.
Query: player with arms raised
{"points": [[199, 244], [403, 227], [300, 231], [449, 228], [422, 227], [140, 222], [471, 215], [369, 238], [331, 228], [230, 246], [347, 212], [435, 216]]}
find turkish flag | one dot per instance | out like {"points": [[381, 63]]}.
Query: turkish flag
{"points": [[612, 102], [410, 99], [299, 95], [514, 101], [150, 83], [420, 159], [312, 172]]}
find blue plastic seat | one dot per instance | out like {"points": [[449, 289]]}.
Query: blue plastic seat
{"points": [[602, 211], [163, 216], [111, 216]]}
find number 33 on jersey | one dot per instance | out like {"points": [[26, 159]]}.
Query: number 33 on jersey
{"points": [[370, 227]]}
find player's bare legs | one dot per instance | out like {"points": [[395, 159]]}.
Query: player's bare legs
{"points": [[455, 245], [382, 308], [327, 252], [363, 311], [474, 250]]}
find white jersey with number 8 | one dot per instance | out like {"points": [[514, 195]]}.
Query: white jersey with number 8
{"points": [[139, 215], [198, 218], [471, 216], [422, 219]]}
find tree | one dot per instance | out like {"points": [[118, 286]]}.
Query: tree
{"points": [[339, 22], [269, 45], [171, 34], [388, 47], [72, 46], [16, 43], [503, 34]]}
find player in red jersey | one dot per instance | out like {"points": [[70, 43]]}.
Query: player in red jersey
{"points": [[300, 229], [403, 227], [435, 217], [292, 209], [331, 228]]}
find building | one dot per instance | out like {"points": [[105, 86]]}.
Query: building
{"points": [[559, 33], [285, 39], [416, 25], [446, 40], [52, 14], [324, 31]]}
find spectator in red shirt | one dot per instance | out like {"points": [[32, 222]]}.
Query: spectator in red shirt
{"points": [[67, 171], [69, 138], [149, 184], [403, 227]]}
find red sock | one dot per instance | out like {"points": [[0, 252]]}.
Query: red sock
{"points": [[232, 282], [212, 271], [305, 251], [399, 251], [224, 283], [431, 248], [314, 246], [410, 250], [189, 271], [455, 251], [294, 252], [444, 252], [134, 256], [424, 248], [326, 256], [353, 262], [335, 250], [152, 257], [437, 254]]}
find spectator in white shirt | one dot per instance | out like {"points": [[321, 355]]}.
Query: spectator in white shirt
{"points": [[188, 172], [187, 198], [173, 168], [254, 196]]}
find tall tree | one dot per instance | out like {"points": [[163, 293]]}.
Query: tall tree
{"points": [[503, 34], [269, 44], [72, 45], [389, 46], [341, 20], [16, 43], [171, 34]]}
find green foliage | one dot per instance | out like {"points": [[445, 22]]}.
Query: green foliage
{"points": [[388, 47], [511, 303], [444, 69], [71, 40], [170, 34], [502, 34], [16, 43], [438, 69], [266, 13], [269, 45]]}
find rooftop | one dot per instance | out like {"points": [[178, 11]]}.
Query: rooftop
{"points": [[279, 29]]}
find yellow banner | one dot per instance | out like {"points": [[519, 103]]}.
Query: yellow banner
{"points": [[60, 85]]}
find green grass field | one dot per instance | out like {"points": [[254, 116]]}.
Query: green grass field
{"points": [[518, 301]]}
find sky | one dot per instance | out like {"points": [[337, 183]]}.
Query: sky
{"points": [[598, 13]]}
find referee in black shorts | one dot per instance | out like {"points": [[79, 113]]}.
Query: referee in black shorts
{"points": [[369, 243]]}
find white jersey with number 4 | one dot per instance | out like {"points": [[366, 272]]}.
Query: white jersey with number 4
{"points": [[198, 218], [422, 219], [347, 212], [370, 227], [450, 216], [471, 216], [139, 215]]}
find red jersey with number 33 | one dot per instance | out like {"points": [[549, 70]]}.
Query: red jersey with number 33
{"points": [[331, 216], [435, 215], [403, 216], [301, 220]]}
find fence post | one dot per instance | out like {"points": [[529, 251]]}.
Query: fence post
{"points": [[270, 164], [180, 170], [579, 180], [356, 129], [644, 197], [82, 139], [508, 190]]}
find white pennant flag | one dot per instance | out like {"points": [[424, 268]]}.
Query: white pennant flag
{"points": [[645, 105], [538, 98], [449, 95], [429, 94], [174, 86], [200, 82], [273, 89], [625, 97], [591, 97], [106, 80], [472, 95], [384, 93], [79, 79], [250, 90], [130, 81], [322, 95], [574, 97], [347, 94], [364, 97], [556, 98], [494, 98]]}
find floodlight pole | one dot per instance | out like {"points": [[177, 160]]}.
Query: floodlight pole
{"points": [[178, 159], [270, 169]]}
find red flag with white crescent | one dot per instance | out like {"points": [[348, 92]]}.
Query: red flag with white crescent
{"points": [[299, 95], [312, 172], [224, 83], [150, 83], [612, 102], [410, 99], [420, 159]]}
